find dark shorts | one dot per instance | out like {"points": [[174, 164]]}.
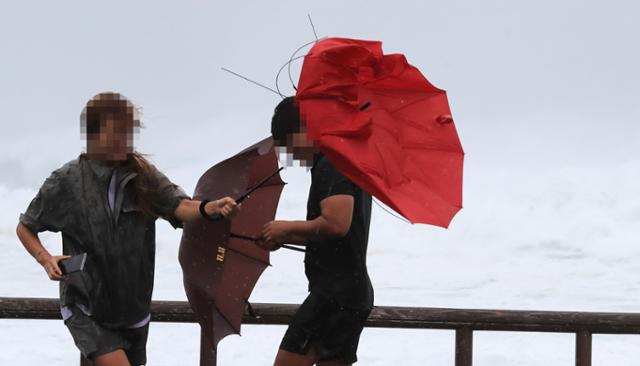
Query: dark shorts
{"points": [[94, 340], [331, 330]]}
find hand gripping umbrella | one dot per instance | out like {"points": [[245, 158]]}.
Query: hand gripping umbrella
{"points": [[384, 126], [219, 263]]}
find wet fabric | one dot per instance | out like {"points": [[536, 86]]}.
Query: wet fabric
{"points": [[94, 340], [219, 260], [112, 189], [337, 267], [66, 313], [331, 330], [117, 282], [384, 126]]}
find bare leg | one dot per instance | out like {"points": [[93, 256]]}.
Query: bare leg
{"points": [[333, 363], [115, 358], [286, 358]]}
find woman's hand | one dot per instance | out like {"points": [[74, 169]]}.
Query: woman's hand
{"points": [[50, 265], [226, 206]]}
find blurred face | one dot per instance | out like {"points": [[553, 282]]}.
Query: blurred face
{"points": [[289, 132], [113, 142], [300, 147]]}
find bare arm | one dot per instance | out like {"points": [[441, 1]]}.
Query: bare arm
{"points": [[334, 222], [189, 210], [32, 244]]}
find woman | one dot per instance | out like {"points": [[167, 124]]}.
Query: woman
{"points": [[105, 204]]}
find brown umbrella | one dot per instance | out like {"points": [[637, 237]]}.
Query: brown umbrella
{"points": [[220, 264]]}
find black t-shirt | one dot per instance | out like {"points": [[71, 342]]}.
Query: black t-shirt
{"points": [[337, 267]]}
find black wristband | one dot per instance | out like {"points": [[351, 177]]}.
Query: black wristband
{"points": [[203, 213]]}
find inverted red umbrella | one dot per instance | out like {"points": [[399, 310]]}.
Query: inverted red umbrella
{"points": [[219, 263], [384, 126]]}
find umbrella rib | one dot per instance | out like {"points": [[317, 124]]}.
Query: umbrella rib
{"points": [[285, 246], [246, 255], [429, 189], [388, 211], [261, 183], [227, 319]]}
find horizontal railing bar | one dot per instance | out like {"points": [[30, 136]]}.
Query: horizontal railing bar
{"points": [[381, 317]]}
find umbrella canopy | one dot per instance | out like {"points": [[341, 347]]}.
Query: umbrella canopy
{"points": [[220, 269], [384, 126]]}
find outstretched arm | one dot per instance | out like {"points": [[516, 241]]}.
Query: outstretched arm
{"points": [[334, 221], [189, 210]]}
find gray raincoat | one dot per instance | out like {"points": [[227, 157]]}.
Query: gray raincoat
{"points": [[117, 282]]}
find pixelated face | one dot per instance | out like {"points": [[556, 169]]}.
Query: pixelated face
{"points": [[114, 141], [299, 148], [290, 134], [109, 124]]}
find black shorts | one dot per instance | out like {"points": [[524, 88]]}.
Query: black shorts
{"points": [[94, 340], [331, 330]]}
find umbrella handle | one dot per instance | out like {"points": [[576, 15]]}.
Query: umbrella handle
{"points": [[248, 238]]}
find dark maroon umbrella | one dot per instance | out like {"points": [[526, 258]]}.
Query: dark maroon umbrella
{"points": [[220, 263]]}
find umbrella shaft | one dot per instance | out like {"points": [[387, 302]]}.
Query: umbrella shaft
{"points": [[248, 238], [260, 184]]}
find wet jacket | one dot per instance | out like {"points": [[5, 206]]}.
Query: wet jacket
{"points": [[117, 282]]}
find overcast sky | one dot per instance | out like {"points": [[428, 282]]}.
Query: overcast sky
{"points": [[544, 95], [559, 77]]}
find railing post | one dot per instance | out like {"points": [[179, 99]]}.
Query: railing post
{"points": [[207, 355], [464, 347], [583, 348]]}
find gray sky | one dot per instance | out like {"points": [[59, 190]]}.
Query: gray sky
{"points": [[557, 76], [544, 95]]}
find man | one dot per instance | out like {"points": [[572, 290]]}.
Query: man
{"points": [[326, 329]]}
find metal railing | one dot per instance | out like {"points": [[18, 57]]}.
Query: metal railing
{"points": [[463, 321]]}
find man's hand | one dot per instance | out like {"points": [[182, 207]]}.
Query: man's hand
{"points": [[274, 234], [50, 265], [226, 206]]}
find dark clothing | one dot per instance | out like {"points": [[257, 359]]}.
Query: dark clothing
{"points": [[331, 330], [117, 282], [337, 267], [332, 317], [94, 340]]}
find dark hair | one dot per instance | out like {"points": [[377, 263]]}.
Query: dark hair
{"points": [[285, 121], [119, 108]]}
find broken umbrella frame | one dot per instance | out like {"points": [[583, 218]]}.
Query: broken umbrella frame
{"points": [[220, 265], [218, 216]]}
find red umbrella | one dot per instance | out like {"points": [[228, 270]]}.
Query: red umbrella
{"points": [[384, 126], [220, 264]]}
